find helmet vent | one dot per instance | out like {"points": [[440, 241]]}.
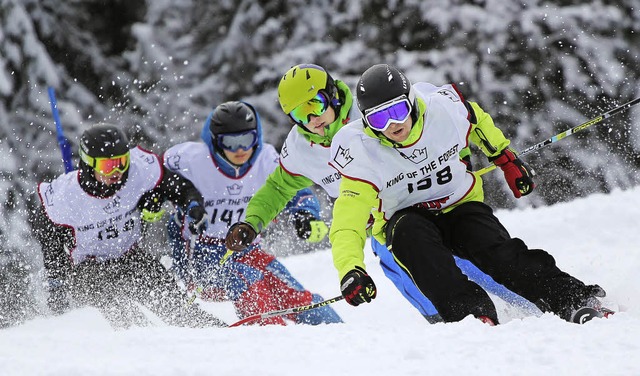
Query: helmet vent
{"points": [[381, 83], [232, 117]]}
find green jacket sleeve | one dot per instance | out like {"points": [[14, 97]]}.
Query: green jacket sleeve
{"points": [[348, 230], [273, 196], [485, 134]]}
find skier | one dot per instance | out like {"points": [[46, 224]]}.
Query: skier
{"points": [[320, 106], [89, 225], [228, 168], [404, 156]]}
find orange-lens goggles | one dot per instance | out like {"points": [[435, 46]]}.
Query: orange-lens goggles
{"points": [[107, 165]]}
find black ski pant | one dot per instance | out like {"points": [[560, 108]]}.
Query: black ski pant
{"points": [[424, 243], [115, 287]]}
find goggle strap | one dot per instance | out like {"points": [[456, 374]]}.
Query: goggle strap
{"points": [[87, 159]]}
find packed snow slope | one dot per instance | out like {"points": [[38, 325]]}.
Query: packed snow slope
{"points": [[596, 239]]}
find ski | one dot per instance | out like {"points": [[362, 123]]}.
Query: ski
{"points": [[287, 311], [585, 314]]}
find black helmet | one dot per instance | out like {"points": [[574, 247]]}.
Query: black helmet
{"points": [[232, 117], [381, 83], [104, 140], [101, 140]]}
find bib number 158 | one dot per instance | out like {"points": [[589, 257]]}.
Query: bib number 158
{"points": [[441, 177]]}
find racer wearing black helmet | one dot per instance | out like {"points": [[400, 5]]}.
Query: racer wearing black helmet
{"points": [[228, 168], [104, 159], [90, 224], [382, 83], [429, 207], [235, 136]]}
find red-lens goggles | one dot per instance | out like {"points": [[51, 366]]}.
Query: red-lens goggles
{"points": [[107, 165]]}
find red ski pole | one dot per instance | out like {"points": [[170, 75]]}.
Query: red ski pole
{"points": [[281, 312]]}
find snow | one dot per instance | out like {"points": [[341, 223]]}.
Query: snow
{"points": [[593, 238]]}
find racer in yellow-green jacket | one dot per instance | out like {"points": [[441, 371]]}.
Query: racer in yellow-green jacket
{"points": [[320, 106], [403, 160]]}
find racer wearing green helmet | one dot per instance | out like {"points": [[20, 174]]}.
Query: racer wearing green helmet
{"points": [[314, 101], [319, 106]]}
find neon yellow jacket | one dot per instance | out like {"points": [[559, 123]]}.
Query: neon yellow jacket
{"points": [[281, 186], [358, 199]]}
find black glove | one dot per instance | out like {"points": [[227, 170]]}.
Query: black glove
{"points": [[516, 173], [151, 206], [196, 218], [309, 228], [58, 299], [467, 161], [357, 287], [239, 236], [596, 290]]}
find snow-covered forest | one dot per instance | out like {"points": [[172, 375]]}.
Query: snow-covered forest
{"points": [[157, 67]]}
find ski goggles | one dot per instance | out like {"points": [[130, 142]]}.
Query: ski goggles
{"points": [[107, 165], [235, 141], [316, 106], [382, 116]]}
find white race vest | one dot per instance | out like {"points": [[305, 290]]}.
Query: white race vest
{"points": [[103, 228], [302, 157], [225, 198], [428, 172]]}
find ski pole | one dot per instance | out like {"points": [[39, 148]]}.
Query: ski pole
{"points": [[192, 248], [569, 132], [226, 256], [63, 143], [281, 312], [193, 297]]}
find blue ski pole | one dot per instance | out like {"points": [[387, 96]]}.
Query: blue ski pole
{"points": [[65, 146]]}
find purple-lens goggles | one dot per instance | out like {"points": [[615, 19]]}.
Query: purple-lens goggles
{"points": [[394, 111]]}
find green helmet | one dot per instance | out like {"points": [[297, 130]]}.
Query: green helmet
{"points": [[301, 83]]}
